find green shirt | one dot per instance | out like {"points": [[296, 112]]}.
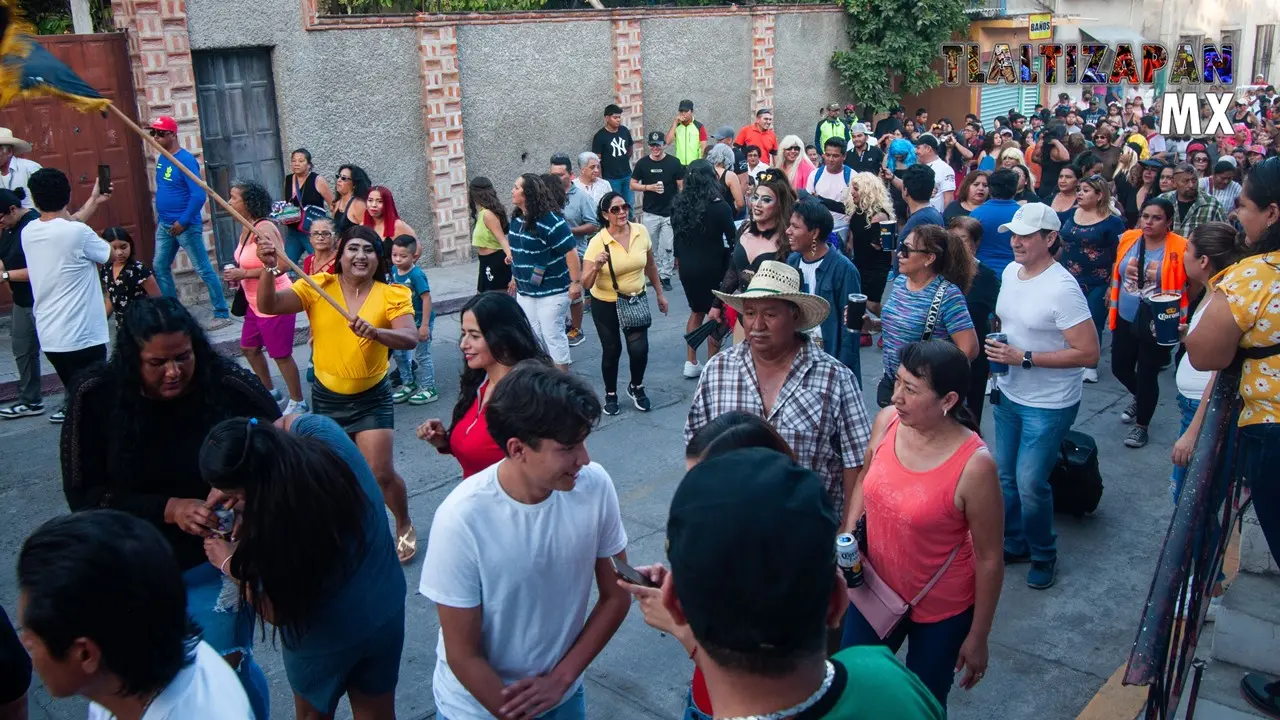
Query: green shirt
{"points": [[688, 142], [874, 685], [482, 236]]}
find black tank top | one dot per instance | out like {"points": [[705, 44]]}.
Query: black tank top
{"points": [[340, 220], [303, 195]]}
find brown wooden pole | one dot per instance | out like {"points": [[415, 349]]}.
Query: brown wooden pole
{"points": [[280, 255]]}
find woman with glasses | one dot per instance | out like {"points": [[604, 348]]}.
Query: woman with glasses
{"points": [[704, 233], [1199, 160], [795, 164], [617, 262], [1148, 263], [1068, 183], [935, 268], [762, 237], [324, 252], [1089, 236], [303, 187], [349, 208]]}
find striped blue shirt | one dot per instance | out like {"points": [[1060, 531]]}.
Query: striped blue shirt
{"points": [[542, 249]]}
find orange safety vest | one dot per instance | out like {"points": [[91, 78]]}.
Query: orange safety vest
{"points": [[1173, 274]]}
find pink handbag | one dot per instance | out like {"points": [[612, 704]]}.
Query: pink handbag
{"points": [[880, 606]]}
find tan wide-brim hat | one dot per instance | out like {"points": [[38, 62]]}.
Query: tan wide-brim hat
{"points": [[18, 144], [779, 281]]}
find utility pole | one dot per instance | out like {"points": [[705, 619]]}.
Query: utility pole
{"points": [[81, 19]]}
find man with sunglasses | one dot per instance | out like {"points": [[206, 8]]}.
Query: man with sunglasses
{"points": [[179, 202]]}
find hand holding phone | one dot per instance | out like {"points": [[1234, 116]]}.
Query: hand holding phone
{"points": [[104, 179], [631, 575]]}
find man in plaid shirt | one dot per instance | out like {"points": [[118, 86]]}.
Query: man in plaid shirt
{"points": [[780, 374], [1194, 207]]}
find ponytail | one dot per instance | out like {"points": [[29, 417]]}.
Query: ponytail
{"points": [[954, 260], [961, 413]]}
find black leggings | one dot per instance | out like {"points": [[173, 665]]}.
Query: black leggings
{"points": [[71, 363], [605, 316], [1136, 364]]}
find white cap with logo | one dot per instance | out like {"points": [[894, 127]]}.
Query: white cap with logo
{"points": [[1032, 218]]}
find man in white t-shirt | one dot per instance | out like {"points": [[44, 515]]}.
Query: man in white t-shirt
{"points": [[1051, 340], [830, 183], [62, 267], [944, 177], [14, 170], [103, 611], [513, 553]]}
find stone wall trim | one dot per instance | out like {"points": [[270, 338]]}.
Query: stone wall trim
{"points": [[314, 21]]}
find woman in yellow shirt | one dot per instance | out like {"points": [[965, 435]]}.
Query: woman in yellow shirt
{"points": [[622, 247], [1243, 317], [351, 358]]}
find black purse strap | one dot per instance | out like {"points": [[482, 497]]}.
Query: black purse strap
{"points": [[935, 309], [608, 256], [1142, 264]]}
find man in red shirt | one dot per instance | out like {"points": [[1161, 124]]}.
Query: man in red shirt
{"points": [[761, 135]]}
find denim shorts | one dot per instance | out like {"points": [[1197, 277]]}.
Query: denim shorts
{"points": [[214, 604], [371, 667]]}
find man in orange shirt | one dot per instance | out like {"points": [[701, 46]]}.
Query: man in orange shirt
{"points": [[761, 135]]}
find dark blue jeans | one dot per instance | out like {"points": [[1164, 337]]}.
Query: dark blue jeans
{"points": [[1259, 455], [932, 648]]}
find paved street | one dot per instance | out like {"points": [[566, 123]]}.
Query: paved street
{"points": [[1050, 650]]}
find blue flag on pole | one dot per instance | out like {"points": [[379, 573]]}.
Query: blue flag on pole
{"points": [[27, 69]]}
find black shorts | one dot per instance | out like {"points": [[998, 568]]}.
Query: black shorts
{"points": [[15, 663], [371, 409], [495, 273]]}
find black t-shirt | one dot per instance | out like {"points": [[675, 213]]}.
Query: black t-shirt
{"points": [[868, 160], [887, 126], [1183, 207], [666, 171], [14, 259], [614, 149], [981, 301]]}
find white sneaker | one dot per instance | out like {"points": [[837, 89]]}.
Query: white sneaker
{"points": [[1091, 375], [296, 407], [692, 369]]}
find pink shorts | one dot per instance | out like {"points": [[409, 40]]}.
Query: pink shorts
{"points": [[275, 333]]}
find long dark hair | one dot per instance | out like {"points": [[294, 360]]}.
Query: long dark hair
{"points": [[701, 188], [1262, 187], [119, 234], [946, 369], [556, 191], [538, 202], [304, 510], [360, 182], [510, 339], [369, 235], [481, 194]]}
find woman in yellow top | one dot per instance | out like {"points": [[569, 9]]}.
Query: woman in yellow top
{"points": [[622, 247], [489, 236], [351, 358], [1243, 316]]}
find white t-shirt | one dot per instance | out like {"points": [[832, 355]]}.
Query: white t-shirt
{"points": [[944, 180], [1156, 144], [207, 689], [1034, 313], [832, 187], [596, 190], [810, 272], [20, 170], [531, 567], [62, 257], [1192, 382]]}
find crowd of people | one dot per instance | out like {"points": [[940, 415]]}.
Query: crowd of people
{"points": [[988, 265]]}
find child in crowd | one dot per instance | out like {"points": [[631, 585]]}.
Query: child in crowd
{"points": [[411, 364], [125, 278]]}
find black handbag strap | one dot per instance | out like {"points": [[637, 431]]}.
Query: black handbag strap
{"points": [[608, 256], [935, 308], [1142, 264]]}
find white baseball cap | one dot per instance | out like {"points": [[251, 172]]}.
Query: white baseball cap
{"points": [[1032, 218]]}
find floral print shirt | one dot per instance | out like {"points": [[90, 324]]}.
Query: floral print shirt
{"points": [[124, 288], [1252, 287]]}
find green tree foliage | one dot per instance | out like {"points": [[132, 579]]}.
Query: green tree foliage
{"points": [[893, 45], [53, 17]]}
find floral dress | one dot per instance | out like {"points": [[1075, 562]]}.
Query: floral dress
{"points": [[123, 289]]}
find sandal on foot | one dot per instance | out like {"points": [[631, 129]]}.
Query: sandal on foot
{"points": [[407, 545]]}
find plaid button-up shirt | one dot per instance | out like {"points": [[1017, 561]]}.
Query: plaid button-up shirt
{"points": [[819, 410], [1206, 208]]}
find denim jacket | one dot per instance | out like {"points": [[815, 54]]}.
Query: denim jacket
{"points": [[837, 278]]}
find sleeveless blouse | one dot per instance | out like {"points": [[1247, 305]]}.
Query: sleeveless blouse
{"points": [[305, 194], [913, 525]]}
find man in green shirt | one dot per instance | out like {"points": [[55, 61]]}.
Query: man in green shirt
{"points": [[686, 137], [751, 541], [831, 126]]}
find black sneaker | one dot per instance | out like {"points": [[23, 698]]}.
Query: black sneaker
{"points": [[58, 417], [1130, 414], [666, 284], [1137, 437], [636, 393], [1262, 693], [1013, 559], [21, 410], [611, 404]]}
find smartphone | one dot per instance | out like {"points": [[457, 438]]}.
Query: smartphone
{"points": [[630, 574], [104, 179]]}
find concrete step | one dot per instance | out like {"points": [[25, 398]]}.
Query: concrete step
{"points": [[1247, 632], [1219, 697]]}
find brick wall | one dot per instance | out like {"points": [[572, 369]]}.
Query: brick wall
{"points": [[160, 53], [442, 118], [628, 87], [762, 61]]}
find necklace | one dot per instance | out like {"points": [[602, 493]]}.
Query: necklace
{"points": [[797, 709]]}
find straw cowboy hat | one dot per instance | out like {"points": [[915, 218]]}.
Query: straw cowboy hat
{"points": [[779, 281], [18, 144]]}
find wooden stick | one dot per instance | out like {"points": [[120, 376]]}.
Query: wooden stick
{"points": [[146, 137]]}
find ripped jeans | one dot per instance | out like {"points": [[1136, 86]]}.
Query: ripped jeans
{"points": [[227, 626]]}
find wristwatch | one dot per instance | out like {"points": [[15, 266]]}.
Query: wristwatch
{"points": [[4, 276], [1026, 360]]}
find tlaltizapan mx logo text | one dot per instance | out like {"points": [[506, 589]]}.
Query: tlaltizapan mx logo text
{"points": [[1100, 64]]}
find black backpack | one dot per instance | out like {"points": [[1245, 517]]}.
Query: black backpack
{"points": [[1076, 480]]}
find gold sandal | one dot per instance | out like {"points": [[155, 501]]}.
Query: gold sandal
{"points": [[409, 542]]}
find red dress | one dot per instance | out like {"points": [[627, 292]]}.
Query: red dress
{"points": [[470, 442]]}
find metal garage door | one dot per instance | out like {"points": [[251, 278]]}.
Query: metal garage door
{"points": [[998, 100], [240, 129]]}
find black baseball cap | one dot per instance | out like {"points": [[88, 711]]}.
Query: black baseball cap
{"points": [[686, 106], [751, 542], [927, 139], [657, 138]]}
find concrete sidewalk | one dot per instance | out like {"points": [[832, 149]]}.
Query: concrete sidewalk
{"points": [[451, 287]]}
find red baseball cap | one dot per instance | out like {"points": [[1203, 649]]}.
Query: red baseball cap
{"points": [[165, 123]]}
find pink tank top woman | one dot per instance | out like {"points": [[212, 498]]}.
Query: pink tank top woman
{"points": [[913, 525]]}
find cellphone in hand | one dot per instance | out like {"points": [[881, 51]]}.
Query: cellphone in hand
{"points": [[631, 575], [104, 179]]}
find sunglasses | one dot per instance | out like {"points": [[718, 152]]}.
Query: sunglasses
{"points": [[904, 251], [624, 208], [341, 178], [158, 133]]}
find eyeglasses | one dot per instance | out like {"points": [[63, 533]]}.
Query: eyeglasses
{"points": [[342, 178], [620, 209], [321, 234], [763, 199], [904, 251]]}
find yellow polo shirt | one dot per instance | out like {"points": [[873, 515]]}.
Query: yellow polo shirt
{"points": [[629, 263], [346, 363]]}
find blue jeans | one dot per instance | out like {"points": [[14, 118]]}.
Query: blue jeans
{"points": [[575, 708], [932, 648], [1097, 299], [426, 375], [1028, 441], [297, 244], [227, 629], [1187, 407], [192, 241], [622, 186], [1259, 454]]}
